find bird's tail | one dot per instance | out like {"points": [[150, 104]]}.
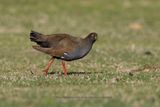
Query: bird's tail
{"points": [[36, 37]]}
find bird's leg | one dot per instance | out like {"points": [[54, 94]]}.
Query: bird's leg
{"points": [[48, 66], [64, 68]]}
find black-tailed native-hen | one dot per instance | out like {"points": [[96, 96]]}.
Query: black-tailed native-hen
{"points": [[62, 46]]}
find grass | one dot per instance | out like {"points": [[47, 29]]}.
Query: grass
{"points": [[117, 72]]}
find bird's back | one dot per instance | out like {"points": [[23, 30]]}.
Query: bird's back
{"points": [[66, 40]]}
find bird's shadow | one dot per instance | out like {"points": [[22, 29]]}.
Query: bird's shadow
{"points": [[74, 73]]}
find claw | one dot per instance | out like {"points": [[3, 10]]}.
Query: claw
{"points": [[45, 72]]}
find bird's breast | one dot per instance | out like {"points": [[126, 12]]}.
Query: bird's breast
{"points": [[77, 53]]}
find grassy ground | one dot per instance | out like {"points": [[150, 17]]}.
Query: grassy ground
{"points": [[123, 68]]}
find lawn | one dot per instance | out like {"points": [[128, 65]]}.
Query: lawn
{"points": [[122, 69]]}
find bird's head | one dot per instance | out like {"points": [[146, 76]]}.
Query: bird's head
{"points": [[92, 36]]}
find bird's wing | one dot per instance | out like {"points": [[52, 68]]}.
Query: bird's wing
{"points": [[64, 46]]}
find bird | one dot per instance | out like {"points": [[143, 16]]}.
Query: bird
{"points": [[64, 47]]}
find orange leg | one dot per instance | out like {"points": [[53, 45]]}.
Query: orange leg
{"points": [[48, 66], [64, 68]]}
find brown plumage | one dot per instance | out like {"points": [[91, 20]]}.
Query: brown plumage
{"points": [[63, 46]]}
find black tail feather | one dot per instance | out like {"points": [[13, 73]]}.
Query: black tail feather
{"points": [[39, 38], [34, 33], [35, 36]]}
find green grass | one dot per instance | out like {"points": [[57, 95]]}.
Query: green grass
{"points": [[126, 28]]}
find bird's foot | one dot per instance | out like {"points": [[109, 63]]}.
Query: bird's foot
{"points": [[45, 72]]}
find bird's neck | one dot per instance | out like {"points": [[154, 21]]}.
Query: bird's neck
{"points": [[87, 45], [88, 40]]}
